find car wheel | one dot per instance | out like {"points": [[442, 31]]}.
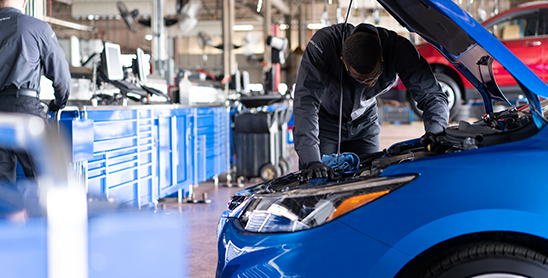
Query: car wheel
{"points": [[284, 166], [450, 88], [490, 260], [269, 172]]}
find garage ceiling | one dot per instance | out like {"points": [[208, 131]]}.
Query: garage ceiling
{"points": [[245, 10], [211, 9], [105, 17]]}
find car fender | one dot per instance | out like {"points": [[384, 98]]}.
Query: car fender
{"points": [[453, 226]]}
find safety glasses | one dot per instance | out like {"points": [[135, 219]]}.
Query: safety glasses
{"points": [[367, 80]]}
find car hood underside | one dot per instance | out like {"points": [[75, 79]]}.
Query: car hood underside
{"points": [[469, 47]]}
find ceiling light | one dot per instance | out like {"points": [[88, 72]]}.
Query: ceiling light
{"points": [[259, 6], [284, 26], [148, 37], [69, 24], [246, 27]]}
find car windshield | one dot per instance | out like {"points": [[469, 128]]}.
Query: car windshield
{"points": [[529, 23]]}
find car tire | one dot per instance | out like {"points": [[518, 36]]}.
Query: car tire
{"points": [[450, 87], [490, 259], [268, 172], [284, 166]]}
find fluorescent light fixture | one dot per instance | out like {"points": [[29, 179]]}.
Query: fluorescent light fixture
{"points": [[315, 26], [246, 27], [259, 6], [69, 24], [284, 26]]}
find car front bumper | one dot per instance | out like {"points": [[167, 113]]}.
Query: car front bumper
{"points": [[330, 250]]}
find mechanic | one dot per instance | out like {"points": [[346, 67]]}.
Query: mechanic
{"points": [[29, 47], [372, 58]]}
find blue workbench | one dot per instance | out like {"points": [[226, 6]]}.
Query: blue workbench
{"points": [[140, 154]]}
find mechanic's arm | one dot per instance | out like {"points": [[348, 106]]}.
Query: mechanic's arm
{"points": [[418, 78], [310, 87], [55, 67]]}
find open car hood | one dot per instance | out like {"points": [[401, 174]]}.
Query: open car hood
{"points": [[295, 202], [469, 47]]}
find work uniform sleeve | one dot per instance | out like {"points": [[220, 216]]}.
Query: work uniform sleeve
{"points": [[312, 81], [418, 78], [55, 65]]}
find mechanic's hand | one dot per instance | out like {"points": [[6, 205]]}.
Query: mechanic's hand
{"points": [[316, 169], [52, 107], [429, 141]]}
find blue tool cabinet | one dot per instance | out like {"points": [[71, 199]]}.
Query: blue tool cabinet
{"points": [[207, 143], [124, 164], [145, 153], [175, 144], [222, 140]]}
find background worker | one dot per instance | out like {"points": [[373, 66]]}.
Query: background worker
{"points": [[29, 48]]}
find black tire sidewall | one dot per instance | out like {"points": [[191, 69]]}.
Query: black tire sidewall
{"points": [[268, 167], [284, 166], [502, 264], [453, 111]]}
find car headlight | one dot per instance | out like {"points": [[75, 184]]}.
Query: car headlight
{"points": [[301, 209]]}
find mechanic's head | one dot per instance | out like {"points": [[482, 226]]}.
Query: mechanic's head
{"points": [[18, 4], [362, 55]]}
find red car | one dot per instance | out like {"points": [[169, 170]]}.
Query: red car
{"points": [[524, 30]]}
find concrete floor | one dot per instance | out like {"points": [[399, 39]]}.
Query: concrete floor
{"points": [[202, 218]]}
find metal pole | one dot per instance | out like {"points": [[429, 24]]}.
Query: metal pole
{"points": [[227, 43], [267, 27], [158, 45]]}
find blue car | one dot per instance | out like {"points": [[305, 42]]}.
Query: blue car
{"points": [[473, 203]]}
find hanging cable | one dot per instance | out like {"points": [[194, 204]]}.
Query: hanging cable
{"points": [[341, 80]]}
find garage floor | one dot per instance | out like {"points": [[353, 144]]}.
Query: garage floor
{"points": [[203, 218]]}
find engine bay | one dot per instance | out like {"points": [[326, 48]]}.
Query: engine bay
{"points": [[494, 128]]}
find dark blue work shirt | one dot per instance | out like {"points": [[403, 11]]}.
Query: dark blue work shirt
{"points": [[319, 80], [29, 46]]}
